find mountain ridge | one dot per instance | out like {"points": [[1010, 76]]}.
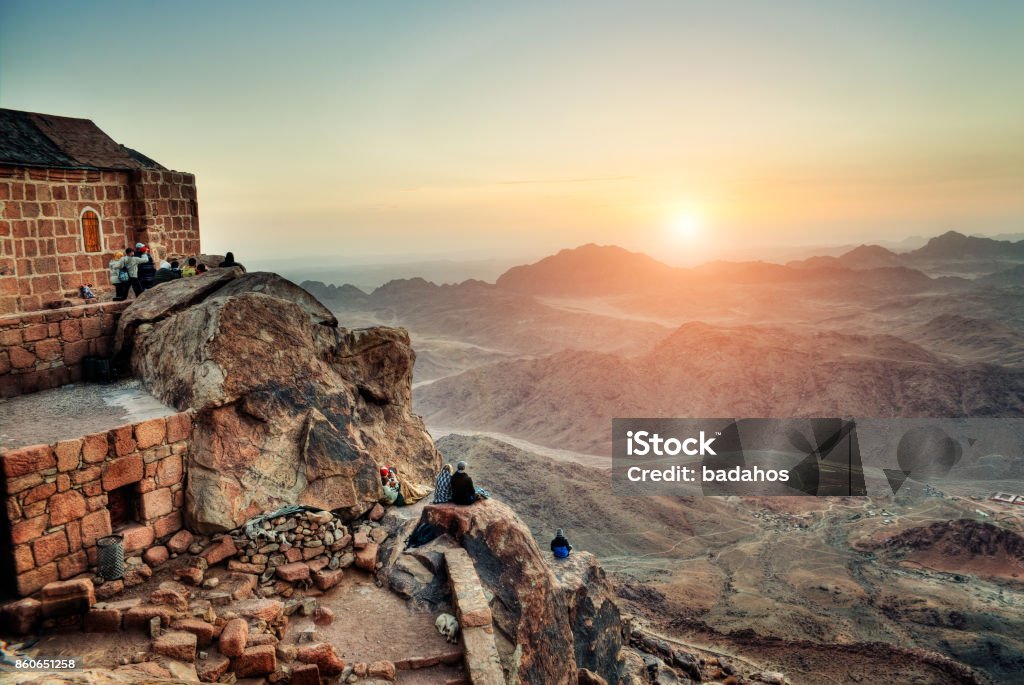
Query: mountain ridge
{"points": [[568, 399]]}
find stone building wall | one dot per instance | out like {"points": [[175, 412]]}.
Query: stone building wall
{"points": [[167, 212], [58, 504], [45, 349], [43, 257]]}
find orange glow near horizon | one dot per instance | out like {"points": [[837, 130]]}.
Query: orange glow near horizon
{"points": [[455, 128]]}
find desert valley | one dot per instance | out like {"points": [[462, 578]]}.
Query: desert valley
{"points": [[523, 376]]}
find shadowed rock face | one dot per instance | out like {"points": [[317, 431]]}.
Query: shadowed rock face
{"points": [[529, 606], [289, 407], [593, 614]]}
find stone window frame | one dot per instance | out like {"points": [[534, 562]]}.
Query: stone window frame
{"points": [[99, 230]]}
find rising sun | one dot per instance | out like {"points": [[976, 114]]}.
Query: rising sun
{"points": [[686, 225]]}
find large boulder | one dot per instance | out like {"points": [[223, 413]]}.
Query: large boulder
{"points": [[289, 408], [269, 283], [535, 636], [593, 613], [166, 299]]}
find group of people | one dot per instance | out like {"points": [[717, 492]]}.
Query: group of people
{"points": [[457, 487], [136, 270]]}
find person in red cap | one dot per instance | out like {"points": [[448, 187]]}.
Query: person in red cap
{"points": [[392, 488], [147, 269]]}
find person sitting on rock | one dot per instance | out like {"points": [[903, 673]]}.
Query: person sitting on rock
{"points": [[392, 488], [201, 269], [560, 547], [190, 268], [170, 273], [229, 261], [463, 490], [443, 486]]}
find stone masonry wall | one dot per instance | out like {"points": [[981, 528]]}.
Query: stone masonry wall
{"points": [[56, 496], [167, 211], [42, 251], [45, 349]]}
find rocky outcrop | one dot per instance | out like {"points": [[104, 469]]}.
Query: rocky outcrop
{"points": [[965, 537], [171, 297], [593, 613], [534, 630], [289, 408], [271, 284]]}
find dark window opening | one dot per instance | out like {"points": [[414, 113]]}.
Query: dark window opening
{"points": [[123, 506], [91, 231]]}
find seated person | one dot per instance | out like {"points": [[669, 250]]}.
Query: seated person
{"points": [[560, 547], [443, 485], [392, 488], [170, 273], [463, 490]]}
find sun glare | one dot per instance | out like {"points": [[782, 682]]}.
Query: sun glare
{"points": [[686, 226]]}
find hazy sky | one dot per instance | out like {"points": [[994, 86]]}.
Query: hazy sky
{"points": [[674, 127]]}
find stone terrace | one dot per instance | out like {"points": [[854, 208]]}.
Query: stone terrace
{"points": [[75, 410], [61, 497], [45, 349]]}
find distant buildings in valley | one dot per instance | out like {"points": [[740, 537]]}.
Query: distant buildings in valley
{"points": [[1007, 498]]}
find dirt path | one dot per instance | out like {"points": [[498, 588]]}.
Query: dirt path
{"points": [[373, 624], [595, 460]]}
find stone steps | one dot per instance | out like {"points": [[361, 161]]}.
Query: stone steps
{"points": [[475, 620]]}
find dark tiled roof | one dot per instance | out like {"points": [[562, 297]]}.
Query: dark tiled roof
{"points": [[44, 140]]}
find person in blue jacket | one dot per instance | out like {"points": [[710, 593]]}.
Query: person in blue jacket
{"points": [[560, 547]]}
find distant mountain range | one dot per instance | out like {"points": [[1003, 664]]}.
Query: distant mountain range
{"points": [[598, 270], [489, 316], [973, 254], [554, 349], [567, 400], [954, 246]]}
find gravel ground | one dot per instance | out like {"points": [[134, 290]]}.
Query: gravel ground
{"points": [[73, 411]]}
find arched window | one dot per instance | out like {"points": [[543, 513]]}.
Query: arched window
{"points": [[91, 231]]}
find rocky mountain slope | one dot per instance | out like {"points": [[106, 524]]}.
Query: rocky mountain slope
{"points": [[971, 339], [492, 318], [548, 494], [567, 400], [964, 545], [771, 582]]}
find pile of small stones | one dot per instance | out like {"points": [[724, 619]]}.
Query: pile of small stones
{"points": [[316, 538]]}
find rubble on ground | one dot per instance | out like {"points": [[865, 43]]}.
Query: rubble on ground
{"points": [[269, 570]]}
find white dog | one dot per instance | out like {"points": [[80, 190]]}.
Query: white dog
{"points": [[448, 626]]}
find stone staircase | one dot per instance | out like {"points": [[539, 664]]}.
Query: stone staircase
{"points": [[475, 620]]}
